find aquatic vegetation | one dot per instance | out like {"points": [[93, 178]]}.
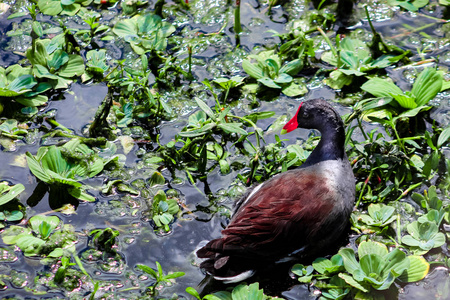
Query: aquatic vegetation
{"points": [[195, 97], [144, 33], [161, 278], [63, 167], [66, 7], [424, 89], [9, 192], [350, 63], [164, 210], [376, 270], [270, 71], [20, 84], [241, 291], [104, 239], [45, 237]]}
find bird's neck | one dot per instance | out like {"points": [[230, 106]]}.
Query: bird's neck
{"points": [[330, 147]]}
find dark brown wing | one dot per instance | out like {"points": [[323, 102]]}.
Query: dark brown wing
{"points": [[281, 217]]}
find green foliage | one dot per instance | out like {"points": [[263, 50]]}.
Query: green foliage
{"points": [[272, 73], [144, 33], [11, 129], [45, 237], [413, 5], [105, 239], [378, 218], [423, 236], [241, 291], [20, 84], [161, 278], [352, 63], [163, 211], [391, 99], [8, 193], [54, 65], [65, 166], [63, 7], [377, 268]]}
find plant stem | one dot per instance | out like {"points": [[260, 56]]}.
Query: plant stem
{"points": [[412, 187], [361, 128], [56, 124], [332, 48], [190, 60], [237, 21], [363, 188]]}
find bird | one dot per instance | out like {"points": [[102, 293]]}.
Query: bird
{"points": [[295, 215]]}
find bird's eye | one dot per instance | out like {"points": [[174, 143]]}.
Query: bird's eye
{"points": [[305, 115]]}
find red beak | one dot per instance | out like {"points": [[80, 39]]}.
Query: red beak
{"points": [[293, 123]]}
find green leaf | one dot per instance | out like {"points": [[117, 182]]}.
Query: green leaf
{"points": [[205, 108], [166, 218], [427, 85], [405, 101], [350, 263], [37, 28], [293, 67], [157, 179], [269, 82], [443, 137], [252, 69], [224, 166], [338, 79], [11, 192], [57, 59], [22, 84], [80, 194], [351, 281], [198, 132], [148, 270], [371, 247], [37, 169], [126, 28], [74, 67], [381, 88], [294, 90], [51, 222], [418, 269], [232, 128], [283, 78], [50, 7]]}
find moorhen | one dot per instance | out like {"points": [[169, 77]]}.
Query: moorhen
{"points": [[295, 215]]}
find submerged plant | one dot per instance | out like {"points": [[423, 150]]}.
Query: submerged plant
{"points": [[7, 194], [104, 239]]}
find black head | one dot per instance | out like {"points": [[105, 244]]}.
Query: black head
{"points": [[314, 114]]}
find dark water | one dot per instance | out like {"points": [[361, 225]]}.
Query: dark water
{"points": [[138, 244]]}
